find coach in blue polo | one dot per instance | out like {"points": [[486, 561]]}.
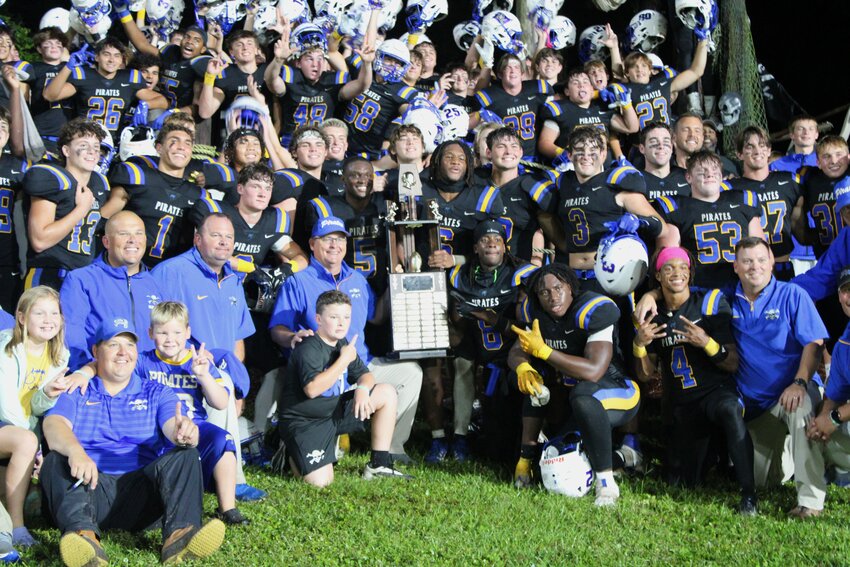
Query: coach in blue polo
{"points": [[105, 471]]}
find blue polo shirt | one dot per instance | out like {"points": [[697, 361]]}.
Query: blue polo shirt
{"points": [[120, 433], [6, 320], [838, 385], [770, 334], [218, 312], [794, 162], [822, 280], [295, 307]]}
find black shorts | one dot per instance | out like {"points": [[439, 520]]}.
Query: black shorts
{"points": [[312, 442]]}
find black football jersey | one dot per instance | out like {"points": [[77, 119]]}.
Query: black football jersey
{"points": [[251, 243], [465, 102], [162, 202], [486, 291], [332, 177], [461, 215], [523, 197], [366, 250], [583, 208], [652, 100], [710, 231], [589, 313], [819, 202], [777, 196], [518, 112], [427, 85], [47, 116], [178, 75], [687, 369], [369, 116], [12, 171], [568, 116], [674, 185], [54, 183], [105, 100], [306, 104]]}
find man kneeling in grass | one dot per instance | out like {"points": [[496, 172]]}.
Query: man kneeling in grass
{"points": [[318, 402]]}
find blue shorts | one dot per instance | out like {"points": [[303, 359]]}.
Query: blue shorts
{"points": [[213, 443]]}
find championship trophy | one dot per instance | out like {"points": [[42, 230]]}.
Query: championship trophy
{"points": [[418, 299]]}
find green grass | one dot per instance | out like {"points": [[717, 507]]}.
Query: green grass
{"points": [[470, 515]]}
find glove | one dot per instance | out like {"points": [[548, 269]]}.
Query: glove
{"points": [[490, 117], [462, 305], [628, 223], [621, 162], [160, 120], [528, 380], [485, 54], [81, 57], [532, 341], [561, 162], [140, 117], [120, 9], [616, 95]]}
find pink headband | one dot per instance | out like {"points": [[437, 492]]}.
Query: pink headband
{"points": [[668, 254]]}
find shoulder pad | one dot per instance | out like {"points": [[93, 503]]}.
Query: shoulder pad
{"points": [[726, 185], [287, 73], [667, 204], [543, 87], [293, 178], [78, 73], [525, 310], [483, 98], [136, 76], [407, 93], [713, 303], [103, 181], [23, 67], [454, 276], [618, 176], [219, 171], [128, 173], [596, 313], [281, 221], [485, 201], [355, 61], [750, 198], [522, 274], [210, 204], [44, 178], [540, 190], [669, 71], [553, 107], [148, 161], [322, 207]]}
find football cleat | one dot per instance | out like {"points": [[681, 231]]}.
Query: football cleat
{"points": [[371, 473], [632, 459], [438, 452]]}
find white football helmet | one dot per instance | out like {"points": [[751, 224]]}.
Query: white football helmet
{"points": [[465, 33], [247, 112], [420, 38], [562, 33], [333, 8], [57, 17], [482, 7], [590, 46], [227, 13], [388, 15], [565, 468], [136, 141], [541, 12], [397, 51], [307, 35], [354, 22], [423, 114], [455, 122], [420, 14], [296, 11], [107, 151], [647, 30], [621, 264], [608, 5], [265, 18], [91, 12], [164, 15], [503, 30], [688, 10], [730, 107]]}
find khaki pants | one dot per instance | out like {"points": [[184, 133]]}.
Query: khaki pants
{"points": [[406, 377], [768, 432]]}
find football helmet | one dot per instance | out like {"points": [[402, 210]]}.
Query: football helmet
{"points": [[227, 13], [354, 22], [647, 30], [564, 466], [482, 7], [691, 12], [307, 35], [541, 12], [621, 260], [503, 30], [455, 122], [296, 11], [57, 17], [388, 15], [247, 111], [392, 50], [107, 151], [136, 141], [590, 46], [91, 12], [265, 18], [465, 33], [608, 5], [423, 114], [420, 38], [562, 33], [420, 14], [730, 107]]}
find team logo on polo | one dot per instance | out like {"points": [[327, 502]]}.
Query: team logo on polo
{"points": [[153, 301], [139, 404], [771, 314], [123, 323], [233, 300], [315, 456]]}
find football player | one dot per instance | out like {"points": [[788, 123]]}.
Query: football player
{"points": [[159, 194], [663, 179], [429, 80], [572, 347], [548, 65], [12, 170], [711, 222], [103, 93], [63, 205], [692, 339]]}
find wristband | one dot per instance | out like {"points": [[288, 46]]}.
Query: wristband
{"points": [[126, 18], [712, 348], [362, 387], [639, 351], [244, 266], [294, 265], [801, 382], [209, 79]]}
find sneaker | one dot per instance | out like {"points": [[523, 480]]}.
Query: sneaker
{"points": [[841, 477], [232, 517], [748, 506], [803, 513], [401, 459], [22, 537], [438, 451], [81, 549], [10, 557], [607, 492], [632, 459], [460, 449], [247, 493], [371, 473], [523, 476], [193, 542]]}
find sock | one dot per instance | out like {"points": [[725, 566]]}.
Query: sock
{"points": [[606, 478], [438, 434], [631, 439], [380, 459]]}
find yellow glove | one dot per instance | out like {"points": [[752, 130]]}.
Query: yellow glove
{"points": [[528, 379], [532, 341]]}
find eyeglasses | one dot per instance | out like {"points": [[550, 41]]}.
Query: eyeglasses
{"points": [[332, 239]]}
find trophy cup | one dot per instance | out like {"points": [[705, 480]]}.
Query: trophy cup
{"points": [[418, 299]]}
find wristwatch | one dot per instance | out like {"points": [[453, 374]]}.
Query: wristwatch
{"points": [[835, 417], [801, 382]]}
